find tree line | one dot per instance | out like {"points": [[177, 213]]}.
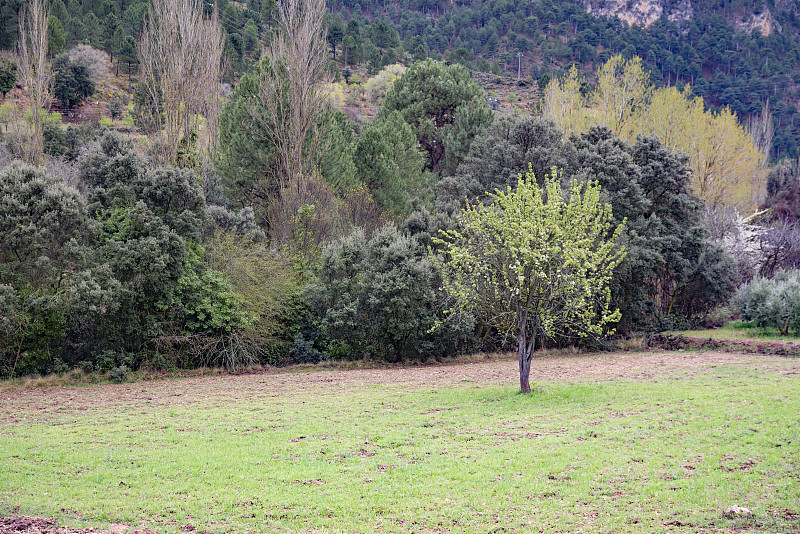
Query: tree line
{"points": [[293, 234]]}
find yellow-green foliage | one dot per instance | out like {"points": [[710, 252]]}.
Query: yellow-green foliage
{"points": [[377, 86], [535, 263], [336, 95], [261, 277], [47, 118], [6, 113], [727, 166]]}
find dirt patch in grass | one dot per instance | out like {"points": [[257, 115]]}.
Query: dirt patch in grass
{"points": [[51, 403], [23, 524], [747, 346]]}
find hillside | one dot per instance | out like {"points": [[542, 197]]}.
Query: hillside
{"points": [[736, 53]]}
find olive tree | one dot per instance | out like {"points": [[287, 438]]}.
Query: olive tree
{"points": [[535, 262]]}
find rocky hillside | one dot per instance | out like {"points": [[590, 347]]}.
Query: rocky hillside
{"points": [[745, 16], [640, 12]]}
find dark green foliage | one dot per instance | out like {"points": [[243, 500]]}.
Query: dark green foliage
{"points": [[44, 232], [175, 196], [445, 108], [72, 81], [43, 228], [335, 31], [100, 288], [118, 374], [388, 162], [67, 143], [783, 191], [147, 258], [109, 172], [115, 176], [671, 267], [497, 157], [53, 138], [303, 351], [336, 153], [126, 54], [56, 36], [379, 298], [8, 76], [116, 107], [246, 151]]}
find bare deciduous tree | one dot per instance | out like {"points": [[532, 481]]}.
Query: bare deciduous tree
{"points": [[292, 91], [291, 97], [180, 52], [762, 129], [35, 74]]}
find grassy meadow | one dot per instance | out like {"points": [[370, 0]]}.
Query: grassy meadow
{"points": [[745, 330], [647, 442]]}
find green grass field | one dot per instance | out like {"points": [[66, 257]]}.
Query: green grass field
{"points": [[739, 330], [649, 442]]}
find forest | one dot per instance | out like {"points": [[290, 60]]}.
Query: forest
{"points": [[727, 65], [186, 185]]}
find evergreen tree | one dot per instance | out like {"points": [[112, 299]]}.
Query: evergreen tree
{"points": [[431, 97]]}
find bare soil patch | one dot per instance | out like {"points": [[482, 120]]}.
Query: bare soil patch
{"points": [[23, 524], [747, 346], [54, 403]]}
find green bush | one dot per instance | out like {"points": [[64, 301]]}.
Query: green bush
{"points": [[116, 107], [102, 280], [67, 142], [772, 302], [118, 374], [380, 298], [72, 81], [44, 230]]}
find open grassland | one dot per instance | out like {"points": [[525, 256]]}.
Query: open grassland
{"points": [[740, 330], [641, 442]]}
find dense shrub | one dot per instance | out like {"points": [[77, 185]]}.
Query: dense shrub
{"points": [[380, 298], [72, 81], [772, 302], [44, 236], [104, 280]]}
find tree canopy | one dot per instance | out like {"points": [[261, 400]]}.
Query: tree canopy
{"points": [[536, 263], [433, 98]]}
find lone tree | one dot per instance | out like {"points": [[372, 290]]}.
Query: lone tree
{"points": [[535, 263], [72, 81]]}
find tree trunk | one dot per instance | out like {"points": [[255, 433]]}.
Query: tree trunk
{"points": [[525, 352], [524, 371]]}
